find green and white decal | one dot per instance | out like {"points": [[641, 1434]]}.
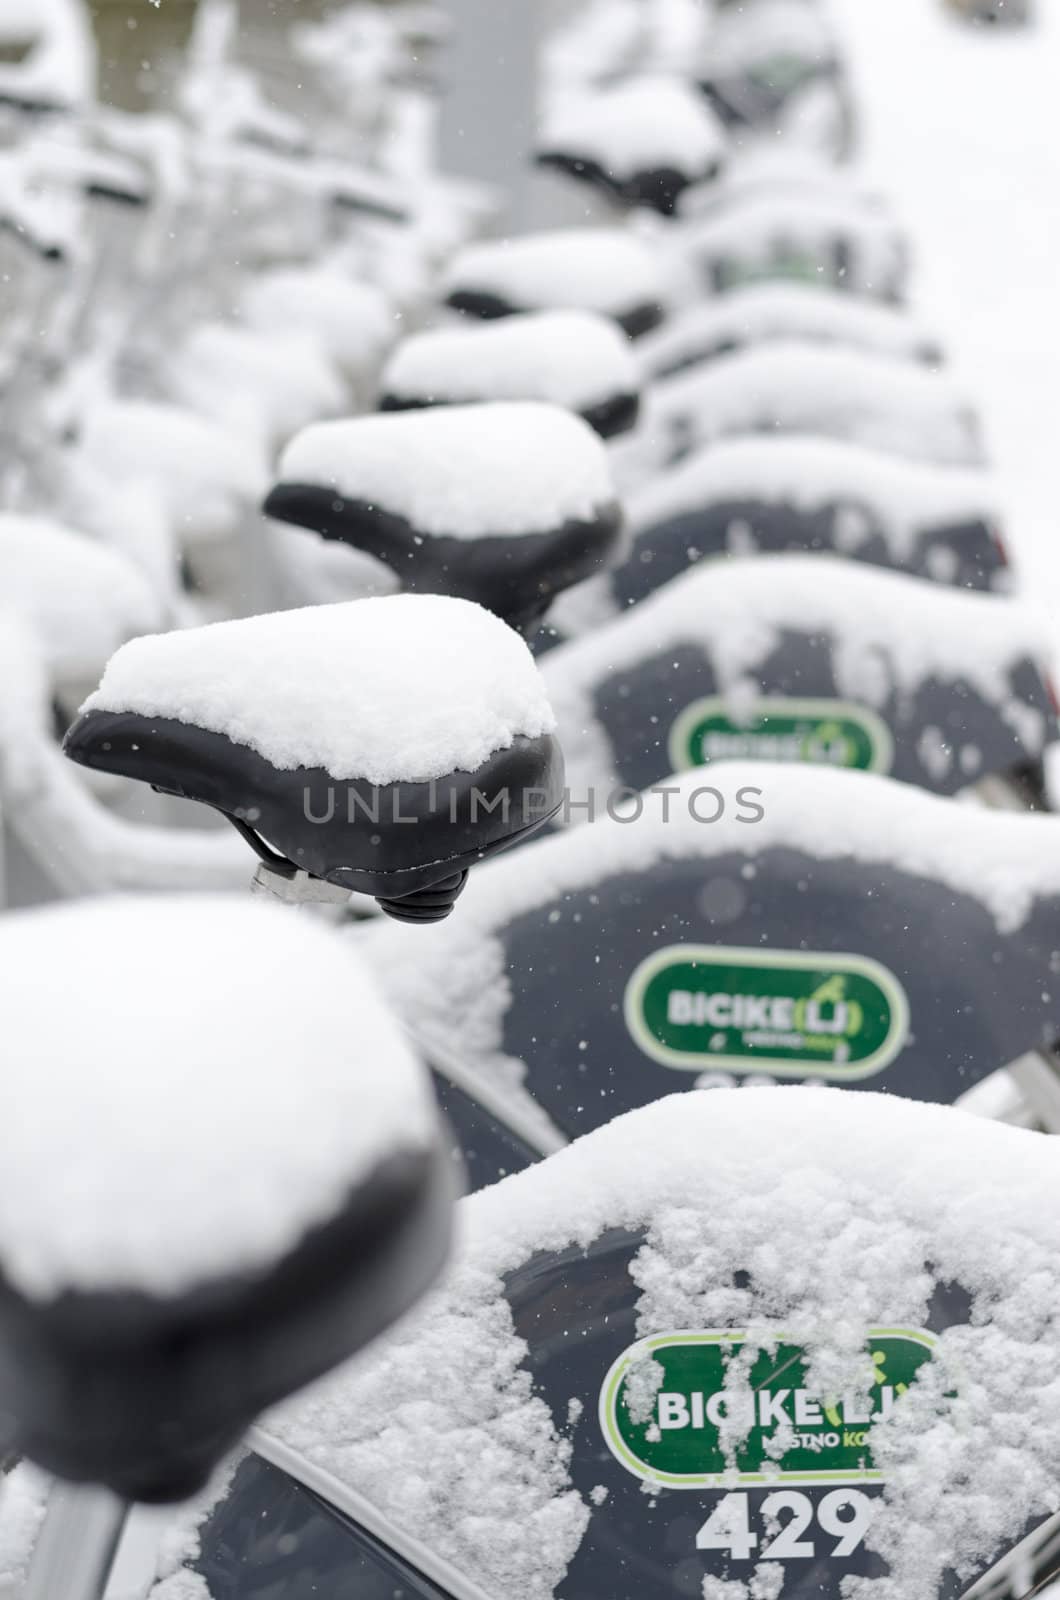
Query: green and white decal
{"points": [[830, 733], [676, 1412], [794, 1014], [781, 263]]}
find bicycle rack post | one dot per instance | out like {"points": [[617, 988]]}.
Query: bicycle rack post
{"points": [[489, 100], [77, 1544]]}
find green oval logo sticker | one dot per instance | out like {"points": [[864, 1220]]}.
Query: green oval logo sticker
{"points": [[829, 733], [671, 1415], [796, 1014]]}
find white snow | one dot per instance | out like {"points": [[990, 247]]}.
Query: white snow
{"points": [[638, 125], [761, 1212], [570, 358], [80, 599], [23, 1500], [594, 269], [352, 322], [790, 387], [268, 387], [205, 477], [81, 846], [402, 688], [889, 633], [595, 41], [743, 38], [202, 1113], [603, 39], [468, 472], [902, 496], [771, 311]]}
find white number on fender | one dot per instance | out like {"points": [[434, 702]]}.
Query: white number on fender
{"points": [[791, 1527]]}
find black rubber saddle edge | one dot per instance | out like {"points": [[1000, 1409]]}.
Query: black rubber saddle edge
{"points": [[386, 840], [659, 188], [144, 1393], [609, 418], [635, 321], [514, 577]]}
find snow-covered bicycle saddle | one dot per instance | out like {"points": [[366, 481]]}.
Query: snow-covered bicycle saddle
{"points": [[643, 141], [605, 270], [575, 359], [207, 1203], [733, 1344], [504, 504], [382, 746]]}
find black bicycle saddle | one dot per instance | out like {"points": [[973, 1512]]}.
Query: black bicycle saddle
{"points": [[504, 504], [382, 746], [576, 359], [209, 1253], [606, 270], [643, 141]]}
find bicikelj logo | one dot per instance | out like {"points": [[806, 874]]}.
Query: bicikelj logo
{"points": [[671, 1413], [793, 1013], [821, 732]]}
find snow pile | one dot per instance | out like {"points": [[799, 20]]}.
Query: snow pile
{"points": [[402, 688], [789, 387], [745, 38], [23, 1502], [440, 1427], [269, 387], [461, 1453], [206, 478], [79, 598], [570, 358], [898, 497], [167, 1182], [771, 311], [888, 633], [1006, 861], [465, 472], [595, 269], [637, 126], [353, 323]]}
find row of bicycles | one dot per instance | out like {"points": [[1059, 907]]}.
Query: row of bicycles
{"points": [[596, 652]]}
